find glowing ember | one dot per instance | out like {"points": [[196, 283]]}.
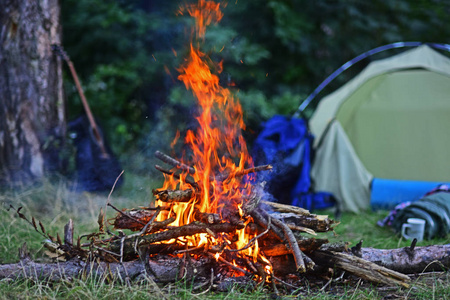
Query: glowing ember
{"points": [[217, 149]]}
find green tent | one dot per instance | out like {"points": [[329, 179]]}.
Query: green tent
{"points": [[393, 122]]}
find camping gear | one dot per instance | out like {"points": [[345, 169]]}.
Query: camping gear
{"points": [[386, 193], [389, 122], [97, 167], [286, 144], [413, 229], [434, 209], [95, 172]]}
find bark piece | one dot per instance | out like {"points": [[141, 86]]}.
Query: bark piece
{"points": [[68, 233]]}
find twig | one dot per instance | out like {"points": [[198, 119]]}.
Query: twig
{"points": [[301, 228], [221, 259], [125, 214], [260, 217], [252, 241], [187, 179], [211, 281], [244, 172], [293, 244], [284, 282], [173, 162], [108, 200]]}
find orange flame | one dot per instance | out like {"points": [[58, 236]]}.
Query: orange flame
{"points": [[216, 146]]}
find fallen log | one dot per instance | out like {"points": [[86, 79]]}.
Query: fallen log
{"points": [[360, 267], [164, 270], [409, 260]]}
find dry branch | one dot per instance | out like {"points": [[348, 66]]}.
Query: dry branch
{"points": [[284, 208], [173, 162], [296, 252], [244, 172], [360, 267], [318, 223]]}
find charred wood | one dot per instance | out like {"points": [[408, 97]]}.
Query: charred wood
{"points": [[169, 234], [208, 218], [306, 246]]}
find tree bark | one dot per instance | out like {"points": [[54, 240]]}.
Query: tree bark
{"points": [[32, 120]]}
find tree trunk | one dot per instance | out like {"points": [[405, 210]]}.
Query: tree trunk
{"points": [[32, 120]]}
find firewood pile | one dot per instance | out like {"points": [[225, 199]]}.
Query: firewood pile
{"points": [[282, 248]]}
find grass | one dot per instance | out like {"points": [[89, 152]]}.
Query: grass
{"points": [[53, 204]]}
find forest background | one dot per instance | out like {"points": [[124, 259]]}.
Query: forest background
{"points": [[274, 54]]}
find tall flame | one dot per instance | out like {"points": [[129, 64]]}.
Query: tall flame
{"points": [[216, 146]]}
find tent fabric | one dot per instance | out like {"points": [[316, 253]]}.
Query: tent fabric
{"points": [[395, 115], [338, 170]]}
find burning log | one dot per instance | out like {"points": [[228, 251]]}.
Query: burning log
{"points": [[130, 243], [208, 218], [306, 246], [173, 195]]}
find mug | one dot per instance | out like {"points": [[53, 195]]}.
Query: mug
{"points": [[413, 228]]}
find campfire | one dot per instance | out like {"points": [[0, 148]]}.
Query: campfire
{"points": [[211, 219], [210, 203]]}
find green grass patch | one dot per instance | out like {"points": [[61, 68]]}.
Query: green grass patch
{"points": [[54, 204]]}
